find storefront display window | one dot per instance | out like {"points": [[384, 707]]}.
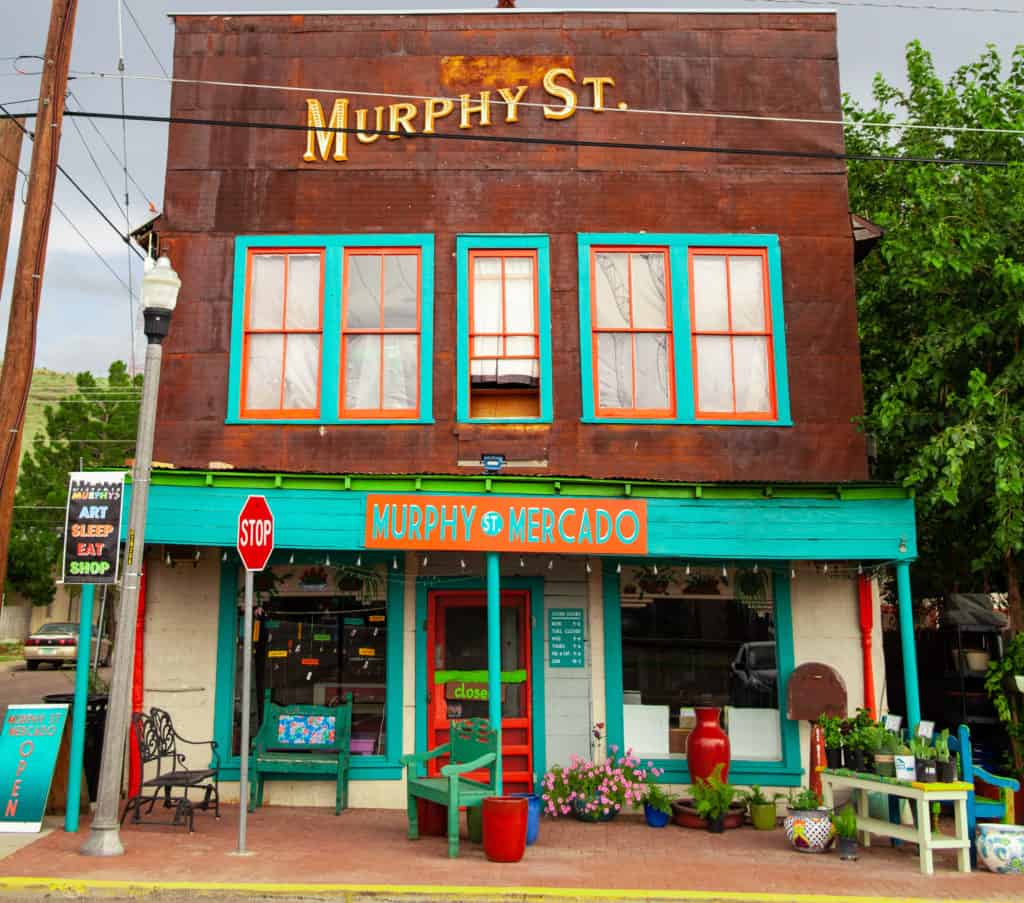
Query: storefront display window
{"points": [[699, 639], [319, 634]]}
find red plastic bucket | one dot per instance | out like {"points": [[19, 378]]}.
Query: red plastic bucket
{"points": [[432, 818], [505, 820]]}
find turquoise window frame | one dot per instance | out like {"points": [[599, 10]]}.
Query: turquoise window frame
{"points": [[539, 243], [385, 767], [785, 772], [334, 247], [535, 586], [679, 247]]}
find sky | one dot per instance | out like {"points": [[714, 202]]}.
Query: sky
{"points": [[85, 319]]}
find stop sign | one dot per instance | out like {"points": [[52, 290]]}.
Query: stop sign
{"points": [[255, 539]]}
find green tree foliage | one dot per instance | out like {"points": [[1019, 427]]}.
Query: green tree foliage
{"points": [[92, 429], [941, 306]]}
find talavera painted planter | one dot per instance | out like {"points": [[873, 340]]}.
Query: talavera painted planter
{"points": [[1001, 848], [809, 830]]}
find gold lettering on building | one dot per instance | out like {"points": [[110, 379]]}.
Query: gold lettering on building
{"points": [[327, 138]]}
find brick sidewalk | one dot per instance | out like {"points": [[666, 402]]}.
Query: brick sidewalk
{"points": [[368, 847]]}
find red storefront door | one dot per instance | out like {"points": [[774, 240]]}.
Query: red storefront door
{"points": [[457, 675]]}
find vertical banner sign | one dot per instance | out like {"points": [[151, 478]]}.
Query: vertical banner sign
{"points": [[92, 527], [29, 744], [565, 637]]}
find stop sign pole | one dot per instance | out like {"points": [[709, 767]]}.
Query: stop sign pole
{"points": [[255, 543]]}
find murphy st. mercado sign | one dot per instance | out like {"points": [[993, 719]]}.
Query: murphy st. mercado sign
{"points": [[474, 523], [328, 137]]}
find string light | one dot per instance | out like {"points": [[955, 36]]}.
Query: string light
{"points": [[522, 563], [195, 556], [687, 568], [551, 564], [860, 570], [618, 568], [655, 570], [291, 558], [462, 563], [792, 573], [224, 557], [825, 569], [725, 572], [588, 566], [327, 559], [359, 560], [426, 558], [394, 562], [167, 559], [755, 567]]}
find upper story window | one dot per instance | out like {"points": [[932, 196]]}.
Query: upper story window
{"points": [[632, 343], [283, 331], [332, 329], [682, 329], [381, 333], [732, 331], [504, 340]]}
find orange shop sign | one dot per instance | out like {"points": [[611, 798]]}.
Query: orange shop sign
{"points": [[484, 523]]}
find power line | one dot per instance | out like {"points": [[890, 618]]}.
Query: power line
{"points": [[142, 33], [637, 111], [115, 155], [95, 162], [563, 142]]}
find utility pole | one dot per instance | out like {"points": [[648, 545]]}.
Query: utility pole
{"points": [[19, 355]]}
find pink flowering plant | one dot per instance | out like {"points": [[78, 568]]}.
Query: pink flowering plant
{"points": [[597, 791]]}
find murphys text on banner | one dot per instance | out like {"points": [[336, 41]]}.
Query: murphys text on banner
{"points": [[327, 138]]}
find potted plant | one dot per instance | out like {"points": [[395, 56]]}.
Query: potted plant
{"points": [[596, 791], [712, 797], [654, 580], [945, 765], [924, 756], [885, 754], [905, 763], [657, 805], [314, 577], [762, 809], [854, 748], [808, 824], [844, 823], [831, 727]]}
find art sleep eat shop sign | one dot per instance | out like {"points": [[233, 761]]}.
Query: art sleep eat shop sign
{"points": [[92, 527]]}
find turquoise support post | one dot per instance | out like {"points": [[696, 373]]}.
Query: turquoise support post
{"points": [[494, 650], [906, 613], [78, 709]]}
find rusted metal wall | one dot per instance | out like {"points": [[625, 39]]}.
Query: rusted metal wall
{"points": [[225, 182]]}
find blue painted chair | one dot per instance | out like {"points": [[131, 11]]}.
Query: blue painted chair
{"points": [[979, 807]]}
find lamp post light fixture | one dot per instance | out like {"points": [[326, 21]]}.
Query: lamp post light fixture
{"points": [[160, 285]]}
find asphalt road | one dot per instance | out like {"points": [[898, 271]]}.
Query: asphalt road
{"points": [[20, 685]]}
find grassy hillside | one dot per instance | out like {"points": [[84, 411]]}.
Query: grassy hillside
{"points": [[48, 388]]}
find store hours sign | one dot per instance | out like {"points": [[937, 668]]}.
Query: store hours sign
{"points": [[565, 637], [92, 527]]}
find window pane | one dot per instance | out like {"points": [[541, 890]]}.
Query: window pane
{"points": [[401, 291], [401, 379], [611, 290], [301, 371], [486, 294], [521, 346], [710, 298], [614, 370], [363, 301], [649, 295], [518, 372], [303, 291], [698, 640], [266, 291], [484, 371], [652, 371], [714, 374], [753, 393], [362, 372], [519, 295], [263, 372], [487, 345], [746, 283]]}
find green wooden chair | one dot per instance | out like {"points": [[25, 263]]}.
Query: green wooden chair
{"points": [[302, 740], [473, 745]]}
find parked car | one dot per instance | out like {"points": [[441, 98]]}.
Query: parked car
{"points": [[58, 643], [754, 673]]}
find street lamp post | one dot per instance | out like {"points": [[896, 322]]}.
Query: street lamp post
{"points": [[160, 286]]}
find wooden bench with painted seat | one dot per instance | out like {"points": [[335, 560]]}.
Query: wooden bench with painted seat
{"points": [[472, 747], [302, 740]]}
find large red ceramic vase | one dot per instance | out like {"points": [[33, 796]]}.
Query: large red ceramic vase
{"points": [[708, 746]]}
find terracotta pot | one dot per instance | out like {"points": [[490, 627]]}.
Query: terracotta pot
{"points": [[708, 746], [684, 814], [432, 818], [505, 819]]}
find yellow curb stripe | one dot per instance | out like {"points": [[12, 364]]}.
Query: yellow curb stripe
{"points": [[82, 886]]}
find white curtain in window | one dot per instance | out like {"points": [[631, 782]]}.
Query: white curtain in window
{"points": [[303, 292], [263, 372], [401, 291], [266, 291], [615, 370], [710, 294], [753, 393], [652, 371], [747, 290], [650, 310], [714, 373], [611, 289], [301, 371], [362, 303], [362, 372], [401, 376]]}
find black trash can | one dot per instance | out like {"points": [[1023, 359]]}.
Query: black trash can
{"points": [[95, 722]]}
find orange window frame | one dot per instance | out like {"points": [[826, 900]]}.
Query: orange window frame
{"points": [[762, 255], [504, 335], [380, 412], [281, 412], [631, 330]]}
